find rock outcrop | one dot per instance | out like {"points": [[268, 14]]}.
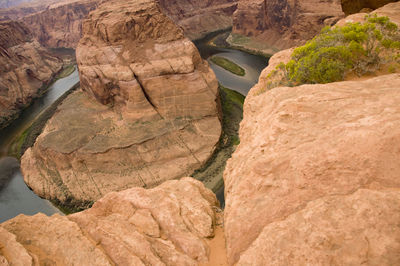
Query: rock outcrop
{"points": [[392, 11], [198, 17], [281, 24], [355, 6], [60, 25], [167, 225], [315, 177], [148, 112], [25, 68]]}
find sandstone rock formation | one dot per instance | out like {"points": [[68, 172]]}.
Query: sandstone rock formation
{"points": [[60, 25], [282, 24], [355, 6], [25, 68], [315, 177], [198, 17], [149, 111], [167, 225], [391, 10]]}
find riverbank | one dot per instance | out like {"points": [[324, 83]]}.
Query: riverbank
{"points": [[211, 174], [26, 140], [228, 65]]}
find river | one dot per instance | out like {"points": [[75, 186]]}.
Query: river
{"points": [[16, 198]]}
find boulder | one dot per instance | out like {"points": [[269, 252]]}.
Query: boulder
{"points": [[167, 225]]}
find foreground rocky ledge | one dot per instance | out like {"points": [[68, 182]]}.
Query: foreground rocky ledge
{"points": [[167, 225], [315, 179], [148, 111]]}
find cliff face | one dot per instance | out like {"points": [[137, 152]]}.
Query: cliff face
{"points": [[167, 225], [60, 25], [355, 6], [198, 17], [283, 24], [148, 113], [26, 67]]}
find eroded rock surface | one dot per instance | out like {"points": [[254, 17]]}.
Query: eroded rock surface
{"points": [[148, 111], [315, 177], [26, 67], [60, 25], [282, 24], [167, 225], [199, 17]]}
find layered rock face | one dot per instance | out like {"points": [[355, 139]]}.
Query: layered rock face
{"points": [[284, 24], [149, 111], [167, 225], [25, 68], [315, 177], [355, 6], [60, 25], [198, 17]]}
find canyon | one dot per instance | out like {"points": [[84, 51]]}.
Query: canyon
{"points": [[148, 110], [314, 179], [27, 68]]}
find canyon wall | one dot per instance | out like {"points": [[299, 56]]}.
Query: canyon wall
{"points": [[198, 17], [355, 6], [26, 67], [281, 24], [60, 25], [167, 225], [148, 112]]}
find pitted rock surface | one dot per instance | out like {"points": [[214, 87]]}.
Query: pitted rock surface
{"points": [[316, 176]]}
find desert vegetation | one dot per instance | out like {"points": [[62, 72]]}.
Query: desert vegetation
{"points": [[358, 48]]}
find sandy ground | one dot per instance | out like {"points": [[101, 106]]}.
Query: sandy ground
{"points": [[217, 249]]}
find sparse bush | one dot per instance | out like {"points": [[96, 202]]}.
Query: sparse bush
{"points": [[336, 51]]}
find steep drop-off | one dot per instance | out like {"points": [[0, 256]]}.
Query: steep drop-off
{"points": [[167, 225], [26, 67], [315, 177], [60, 25], [148, 111], [273, 24], [355, 6], [198, 17]]}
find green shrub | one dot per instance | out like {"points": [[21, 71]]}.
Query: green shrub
{"points": [[336, 51]]}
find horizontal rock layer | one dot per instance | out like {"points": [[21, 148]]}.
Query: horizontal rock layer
{"points": [[149, 111], [283, 24], [315, 177], [25, 68], [167, 225]]}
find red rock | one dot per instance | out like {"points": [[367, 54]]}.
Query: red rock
{"points": [[149, 112], [26, 68], [307, 156]]}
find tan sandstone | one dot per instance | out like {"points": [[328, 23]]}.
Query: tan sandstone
{"points": [[316, 173], [148, 111], [167, 225], [26, 68]]}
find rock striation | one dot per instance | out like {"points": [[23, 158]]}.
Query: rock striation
{"points": [[26, 67], [148, 112], [60, 24], [281, 24], [198, 18], [167, 225], [315, 177]]}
